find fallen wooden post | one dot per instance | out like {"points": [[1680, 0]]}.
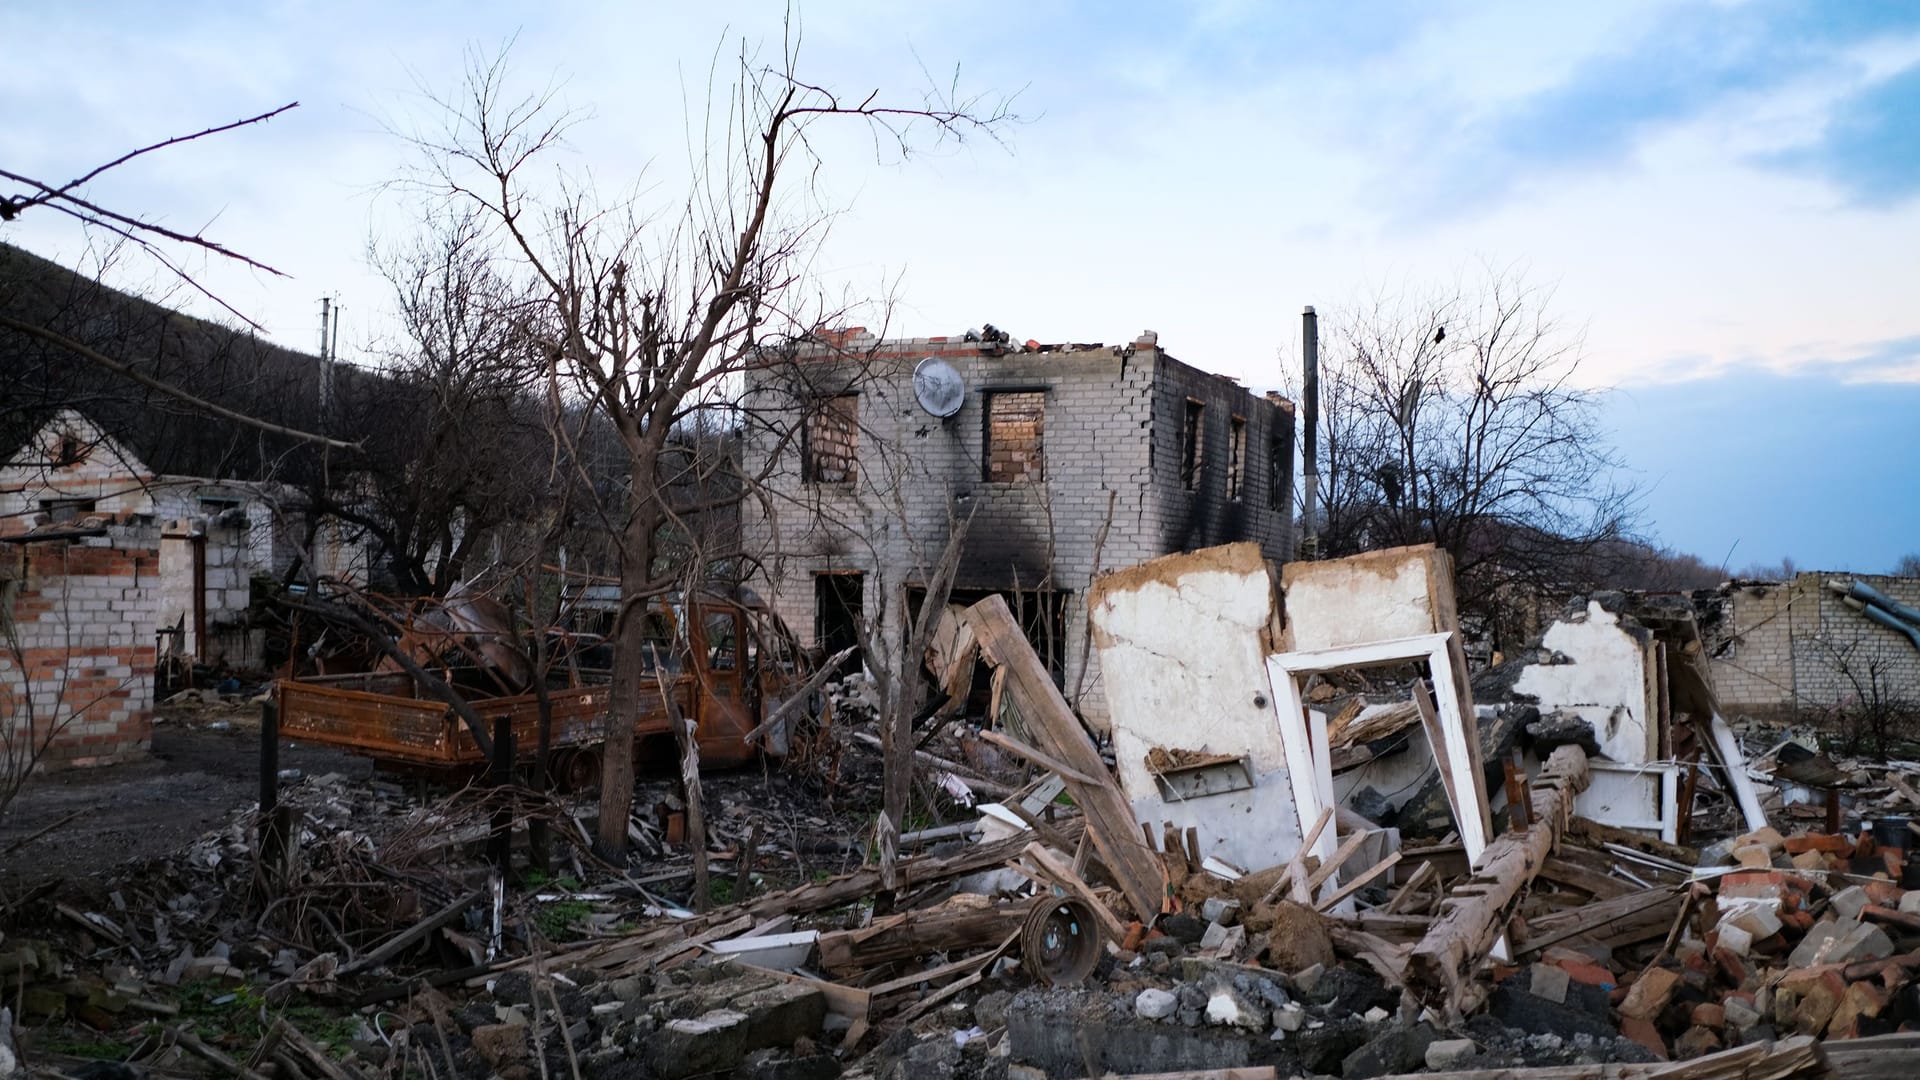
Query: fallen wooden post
{"points": [[1474, 915], [1051, 725], [964, 922], [791, 707], [1621, 920]]}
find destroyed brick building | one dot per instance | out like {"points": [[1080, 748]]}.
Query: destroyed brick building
{"points": [[1781, 647], [1067, 459]]}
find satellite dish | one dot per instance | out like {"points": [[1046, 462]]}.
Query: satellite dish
{"points": [[938, 387]]}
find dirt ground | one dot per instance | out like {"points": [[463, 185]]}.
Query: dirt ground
{"points": [[204, 765]]}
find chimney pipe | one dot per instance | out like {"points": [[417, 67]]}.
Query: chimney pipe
{"points": [[1310, 443]]}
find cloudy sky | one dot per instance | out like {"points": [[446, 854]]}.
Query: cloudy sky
{"points": [[1723, 196]]}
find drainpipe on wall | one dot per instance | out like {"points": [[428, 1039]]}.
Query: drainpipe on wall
{"points": [[199, 597]]}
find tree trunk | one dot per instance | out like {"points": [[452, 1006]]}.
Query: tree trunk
{"points": [[630, 682]]}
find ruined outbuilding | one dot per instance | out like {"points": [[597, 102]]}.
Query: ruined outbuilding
{"points": [[212, 535]]}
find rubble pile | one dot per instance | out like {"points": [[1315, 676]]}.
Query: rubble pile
{"points": [[1361, 876]]}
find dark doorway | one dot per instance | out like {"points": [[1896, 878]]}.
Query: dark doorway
{"points": [[838, 602]]}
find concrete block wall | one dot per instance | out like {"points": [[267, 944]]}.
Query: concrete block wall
{"points": [[81, 614], [1797, 645], [1107, 448]]}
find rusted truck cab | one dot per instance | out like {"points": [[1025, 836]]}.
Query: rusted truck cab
{"points": [[727, 663]]}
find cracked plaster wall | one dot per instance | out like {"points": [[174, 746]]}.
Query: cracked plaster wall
{"points": [[1183, 641], [1609, 680]]}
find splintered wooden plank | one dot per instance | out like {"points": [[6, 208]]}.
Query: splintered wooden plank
{"points": [[1050, 725]]}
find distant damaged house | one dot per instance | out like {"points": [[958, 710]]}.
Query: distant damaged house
{"points": [[1065, 460], [211, 535]]}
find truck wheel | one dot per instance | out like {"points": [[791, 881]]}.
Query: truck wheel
{"points": [[579, 770]]}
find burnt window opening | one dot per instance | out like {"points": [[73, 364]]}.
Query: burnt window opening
{"points": [[1016, 436], [1279, 468], [1190, 444], [829, 441], [64, 510], [839, 603], [1236, 456], [72, 451]]}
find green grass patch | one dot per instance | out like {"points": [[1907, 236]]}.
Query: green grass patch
{"points": [[561, 920], [71, 1042], [214, 1009]]}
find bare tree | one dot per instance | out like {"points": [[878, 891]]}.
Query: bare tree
{"points": [[448, 433], [1869, 704], [651, 322], [1908, 566], [1456, 419]]}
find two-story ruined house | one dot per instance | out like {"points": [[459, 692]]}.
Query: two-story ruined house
{"points": [[1065, 460]]}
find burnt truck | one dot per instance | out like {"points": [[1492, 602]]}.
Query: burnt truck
{"points": [[727, 662]]}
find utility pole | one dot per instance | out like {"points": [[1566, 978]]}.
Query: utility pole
{"points": [[329, 354], [1310, 444]]}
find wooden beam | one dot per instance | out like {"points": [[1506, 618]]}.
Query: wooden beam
{"points": [[1325, 870], [418, 931], [1413, 884], [1360, 881], [1473, 917], [1052, 728], [1593, 883], [1015, 746], [966, 922], [1294, 877], [1623, 920]]}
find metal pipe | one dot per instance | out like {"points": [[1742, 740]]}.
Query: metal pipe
{"points": [[1884, 618], [1860, 590], [1310, 441]]}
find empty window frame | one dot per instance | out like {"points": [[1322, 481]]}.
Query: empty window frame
{"points": [[1191, 443], [1236, 457], [830, 440], [61, 511], [1016, 436]]}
